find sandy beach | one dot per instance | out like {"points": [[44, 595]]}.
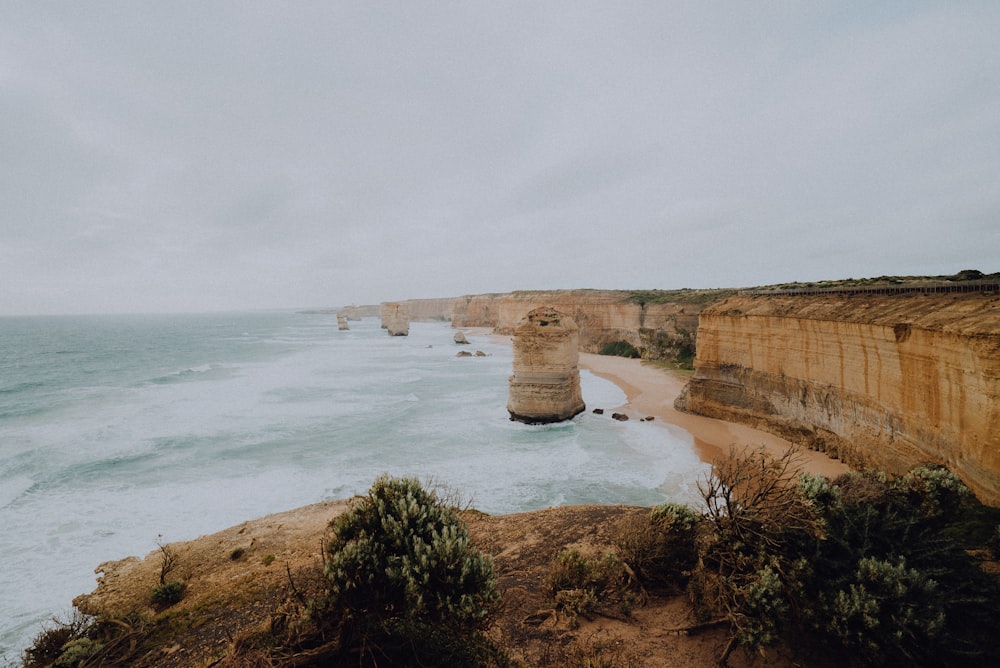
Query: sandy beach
{"points": [[651, 391]]}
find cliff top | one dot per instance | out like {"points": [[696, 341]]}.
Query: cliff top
{"points": [[964, 313], [241, 579]]}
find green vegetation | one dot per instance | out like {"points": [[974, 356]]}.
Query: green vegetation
{"points": [[619, 349], [865, 569], [167, 594], [405, 582], [660, 547], [683, 296], [879, 281], [870, 567], [581, 584]]}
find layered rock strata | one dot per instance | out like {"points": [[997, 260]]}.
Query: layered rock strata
{"points": [[883, 381], [545, 386], [342, 322], [662, 329], [395, 319]]}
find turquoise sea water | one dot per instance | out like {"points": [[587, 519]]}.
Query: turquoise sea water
{"points": [[115, 430]]}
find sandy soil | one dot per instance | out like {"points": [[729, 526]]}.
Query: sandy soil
{"points": [[651, 391]]}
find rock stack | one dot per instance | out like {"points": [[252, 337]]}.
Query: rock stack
{"points": [[545, 386], [342, 322], [396, 319]]}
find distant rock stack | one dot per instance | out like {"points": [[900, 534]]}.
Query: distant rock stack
{"points": [[342, 322], [396, 318], [545, 386], [460, 337]]}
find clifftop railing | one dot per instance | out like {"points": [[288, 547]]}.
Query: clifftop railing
{"points": [[925, 288]]}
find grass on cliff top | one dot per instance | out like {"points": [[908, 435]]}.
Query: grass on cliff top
{"points": [[964, 275], [683, 296], [710, 296]]}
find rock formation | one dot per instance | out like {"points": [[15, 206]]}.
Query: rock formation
{"points": [[545, 386], [659, 330], [887, 381], [396, 319], [460, 337], [342, 322]]}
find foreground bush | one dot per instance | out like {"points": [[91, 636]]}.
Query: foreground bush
{"points": [[405, 581], [871, 567]]}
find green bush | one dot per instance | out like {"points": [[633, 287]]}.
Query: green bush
{"points": [[167, 594], [581, 584], [660, 547], [619, 349], [404, 576], [874, 567]]}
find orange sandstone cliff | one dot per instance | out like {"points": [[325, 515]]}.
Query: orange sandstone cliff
{"points": [[661, 327], [887, 381]]}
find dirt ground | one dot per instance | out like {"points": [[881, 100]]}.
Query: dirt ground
{"points": [[239, 579]]}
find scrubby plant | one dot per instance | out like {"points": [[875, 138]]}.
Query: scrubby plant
{"points": [[873, 566], [660, 547], [167, 594], [619, 349], [580, 584], [405, 578]]}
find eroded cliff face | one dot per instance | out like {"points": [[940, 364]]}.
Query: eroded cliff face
{"points": [[657, 330], [882, 381], [545, 386]]}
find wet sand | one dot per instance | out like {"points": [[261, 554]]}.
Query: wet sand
{"points": [[651, 391]]}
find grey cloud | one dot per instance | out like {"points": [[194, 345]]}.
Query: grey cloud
{"points": [[186, 156]]}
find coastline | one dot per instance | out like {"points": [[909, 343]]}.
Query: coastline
{"points": [[651, 391]]}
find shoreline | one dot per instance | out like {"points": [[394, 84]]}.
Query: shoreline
{"points": [[651, 391]]}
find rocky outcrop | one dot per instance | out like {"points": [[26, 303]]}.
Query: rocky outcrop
{"points": [[545, 386], [342, 322], [460, 337], [662, 327], [396, 319], [887, 381]]}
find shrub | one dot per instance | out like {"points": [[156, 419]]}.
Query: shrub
{"points": [[167, 594], [660, 547], [404, 576], [580, 584], [619, 349]]}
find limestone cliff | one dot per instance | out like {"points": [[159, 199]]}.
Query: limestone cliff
{"points": [[545, 386], [659, 325], [424, 310], [887, 381]]}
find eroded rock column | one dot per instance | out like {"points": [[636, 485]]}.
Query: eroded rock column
{"points": [[396, 319], [545, 386]]}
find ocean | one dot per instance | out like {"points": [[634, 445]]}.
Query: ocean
{"points": [[120, 431]]}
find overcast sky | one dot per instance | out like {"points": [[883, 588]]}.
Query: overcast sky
{"points": [[194, 156]]}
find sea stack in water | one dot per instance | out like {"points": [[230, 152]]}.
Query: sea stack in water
{"points": [[545, 386], [342, 322], [396, 319]]}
